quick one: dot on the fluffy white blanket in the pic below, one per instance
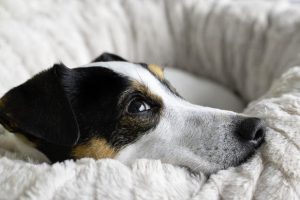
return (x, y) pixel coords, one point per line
(243, 45)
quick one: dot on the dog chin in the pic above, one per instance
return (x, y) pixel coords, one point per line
(215, 167)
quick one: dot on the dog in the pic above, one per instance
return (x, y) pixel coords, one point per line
(112, 108)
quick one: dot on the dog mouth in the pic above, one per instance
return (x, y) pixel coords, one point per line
(239, 160)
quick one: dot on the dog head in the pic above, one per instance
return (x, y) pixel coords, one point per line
(112, 108)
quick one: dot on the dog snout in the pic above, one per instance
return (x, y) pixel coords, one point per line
(251, 129)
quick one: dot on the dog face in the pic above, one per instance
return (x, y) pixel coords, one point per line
(112, 108)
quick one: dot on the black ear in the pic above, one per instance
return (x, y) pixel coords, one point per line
(106, 57)
(40, 108)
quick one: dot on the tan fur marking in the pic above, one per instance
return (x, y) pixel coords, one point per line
(157, 70)
(95, 148)
(145, 90)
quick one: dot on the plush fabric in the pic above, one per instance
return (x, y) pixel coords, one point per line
(244, 45)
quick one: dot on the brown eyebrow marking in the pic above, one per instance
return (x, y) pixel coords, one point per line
(96, 148)
(156, 70)
(136, 86)
(143, 89)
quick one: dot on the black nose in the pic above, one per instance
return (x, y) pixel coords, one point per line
(251, 129)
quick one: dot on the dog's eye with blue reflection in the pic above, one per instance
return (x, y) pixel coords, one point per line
(138, 105)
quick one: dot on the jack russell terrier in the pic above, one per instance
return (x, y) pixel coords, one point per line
(112, 108)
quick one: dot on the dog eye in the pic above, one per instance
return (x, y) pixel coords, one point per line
(138, 106)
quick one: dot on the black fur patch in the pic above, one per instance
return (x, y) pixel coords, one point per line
(106, 57)
(62, 108)
(40, 107)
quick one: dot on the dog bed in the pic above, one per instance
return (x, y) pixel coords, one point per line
(252, 48)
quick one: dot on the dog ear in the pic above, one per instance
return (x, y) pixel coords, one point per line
(106, 57)
(41, 108)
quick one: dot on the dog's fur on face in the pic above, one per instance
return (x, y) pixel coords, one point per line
(112, 108)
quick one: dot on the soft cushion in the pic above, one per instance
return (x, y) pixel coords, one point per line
(246, 46)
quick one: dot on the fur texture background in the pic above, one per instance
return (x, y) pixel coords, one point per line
(244, 45)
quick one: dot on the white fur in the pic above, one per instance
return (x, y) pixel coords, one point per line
(245, 45)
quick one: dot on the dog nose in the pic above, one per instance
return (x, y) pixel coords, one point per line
(251, 129)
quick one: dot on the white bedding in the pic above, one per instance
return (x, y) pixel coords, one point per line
(202, 91)
(245, 46)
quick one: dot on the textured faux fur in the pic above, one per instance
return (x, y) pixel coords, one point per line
(243, 45)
